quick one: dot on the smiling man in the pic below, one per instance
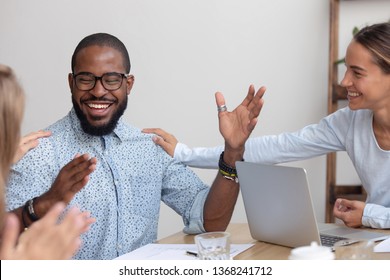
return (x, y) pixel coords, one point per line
(98, 112)
(133, 174)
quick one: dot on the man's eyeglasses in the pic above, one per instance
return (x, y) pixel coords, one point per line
(110, 81)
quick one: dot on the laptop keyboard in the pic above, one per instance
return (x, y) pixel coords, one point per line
(330, 240)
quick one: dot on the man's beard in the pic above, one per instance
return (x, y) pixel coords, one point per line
(103, 129)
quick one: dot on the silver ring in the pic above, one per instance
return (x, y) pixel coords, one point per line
(222, 108)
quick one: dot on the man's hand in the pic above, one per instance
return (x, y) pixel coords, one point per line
(165, 140)
(236, 126)
(71, 179)
(349, 211)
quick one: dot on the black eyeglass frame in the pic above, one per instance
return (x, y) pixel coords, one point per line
(123, 76)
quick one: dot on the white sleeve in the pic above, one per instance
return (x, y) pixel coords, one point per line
(376, 216)
(310, 141)
(198, 157)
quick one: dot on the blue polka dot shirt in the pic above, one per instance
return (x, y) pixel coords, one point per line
(124, 192)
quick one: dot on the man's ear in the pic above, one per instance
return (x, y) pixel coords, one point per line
(70, 81)
(129, 83)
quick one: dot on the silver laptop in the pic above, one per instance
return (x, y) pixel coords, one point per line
(279, 208)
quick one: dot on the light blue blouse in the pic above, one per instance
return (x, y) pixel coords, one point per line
(344, 130)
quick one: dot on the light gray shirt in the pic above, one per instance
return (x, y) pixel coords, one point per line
(344, 130)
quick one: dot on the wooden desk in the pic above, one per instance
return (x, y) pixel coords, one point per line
(260, 251)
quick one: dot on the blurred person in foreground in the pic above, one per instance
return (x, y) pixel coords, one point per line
(48, 238)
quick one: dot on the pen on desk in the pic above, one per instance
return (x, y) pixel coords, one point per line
(192, 253)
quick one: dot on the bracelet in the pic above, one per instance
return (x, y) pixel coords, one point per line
(29, 207)
(227, 171)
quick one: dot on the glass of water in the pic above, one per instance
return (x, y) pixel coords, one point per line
(362, 250)
(213, 245)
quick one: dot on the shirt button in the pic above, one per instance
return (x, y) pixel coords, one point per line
(119, 246)
(116, 182)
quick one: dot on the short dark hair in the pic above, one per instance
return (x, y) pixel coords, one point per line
(103, 40)
(376, 38)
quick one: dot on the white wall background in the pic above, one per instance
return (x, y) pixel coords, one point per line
(182, 52)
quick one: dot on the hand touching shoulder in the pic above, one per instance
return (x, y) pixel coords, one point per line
(164, 139)
(28, 142)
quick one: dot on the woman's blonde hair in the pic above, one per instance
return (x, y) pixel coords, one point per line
(11, 114)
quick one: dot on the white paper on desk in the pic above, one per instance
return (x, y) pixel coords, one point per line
(173, 252)
(383, 246)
